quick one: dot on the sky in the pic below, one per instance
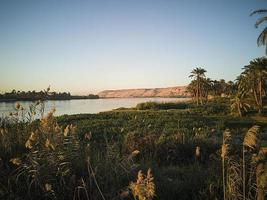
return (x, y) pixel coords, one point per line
(85, 46)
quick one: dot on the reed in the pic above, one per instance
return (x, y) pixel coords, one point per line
(144, 187)
(224, 153)
(261, 173)
(249, 143)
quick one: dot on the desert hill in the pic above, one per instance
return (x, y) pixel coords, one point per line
(150, 92)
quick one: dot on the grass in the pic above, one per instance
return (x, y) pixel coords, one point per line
(98, 156)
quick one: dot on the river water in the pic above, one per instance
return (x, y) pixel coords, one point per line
(86, 105)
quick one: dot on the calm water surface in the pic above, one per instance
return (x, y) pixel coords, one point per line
(86, 105)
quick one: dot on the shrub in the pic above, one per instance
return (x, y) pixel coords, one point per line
(161, 106)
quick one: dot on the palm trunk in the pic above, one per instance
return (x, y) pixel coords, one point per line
(260, 95)
(197, 91)
(200, 91)
(239, 110)
(255, 97)
(255, 89)
(200, 94)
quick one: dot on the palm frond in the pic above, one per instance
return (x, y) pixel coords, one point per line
(260, 20)
(262, 39)
(259, 11)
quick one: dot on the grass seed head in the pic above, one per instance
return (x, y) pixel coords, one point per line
(15, 161)
(225, 149)
(198, 151)
(250, 139)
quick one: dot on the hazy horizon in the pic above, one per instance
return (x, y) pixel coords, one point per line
(88, 46)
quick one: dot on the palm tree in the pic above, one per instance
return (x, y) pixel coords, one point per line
(262, 39)
(239, 105)
(223, 86)
(216, 87)
(256, 74)
(208, 85)
(243, 85)
(191, 88)
(230, 87)
(199, 75)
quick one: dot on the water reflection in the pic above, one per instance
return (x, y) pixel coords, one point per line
(86, 105)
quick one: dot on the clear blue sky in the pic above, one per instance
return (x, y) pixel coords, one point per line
(86, 46)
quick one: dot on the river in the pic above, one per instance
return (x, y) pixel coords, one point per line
(70, 107)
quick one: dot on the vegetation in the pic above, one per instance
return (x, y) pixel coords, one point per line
(210, 89)
(144, 187)
(161, 106)
(99, 156)
(263, 35)
(248, 92)
(253, 81)
(42, 95)
(198, 84)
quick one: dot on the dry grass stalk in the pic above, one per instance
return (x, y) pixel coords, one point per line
(225, 150)
(224, 153)
(261, 173)
(198, 152)
(250, 139)
(144, 187)
(234, 180)
(250, 142)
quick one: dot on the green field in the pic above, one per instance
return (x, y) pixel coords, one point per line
(100, 155)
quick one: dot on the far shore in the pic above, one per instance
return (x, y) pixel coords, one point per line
(80, 98)
(49, 99)
(129, 97)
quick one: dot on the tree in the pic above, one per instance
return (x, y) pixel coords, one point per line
(216, 87)
(208, 86)
(243, 85)
(238, 105)
(254, 79)
(230, 88)
(198, 74)
(14, 91)
(262, 39)
(223, 86)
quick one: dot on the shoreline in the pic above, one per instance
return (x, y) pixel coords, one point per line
(32, 100)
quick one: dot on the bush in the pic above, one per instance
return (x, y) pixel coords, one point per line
(161, 106)
(212, 108)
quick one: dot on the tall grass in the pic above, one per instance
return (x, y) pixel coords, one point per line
(53, 161)
(249, 143)
(246, 174)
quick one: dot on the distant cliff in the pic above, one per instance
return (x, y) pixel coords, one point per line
(179, 91)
